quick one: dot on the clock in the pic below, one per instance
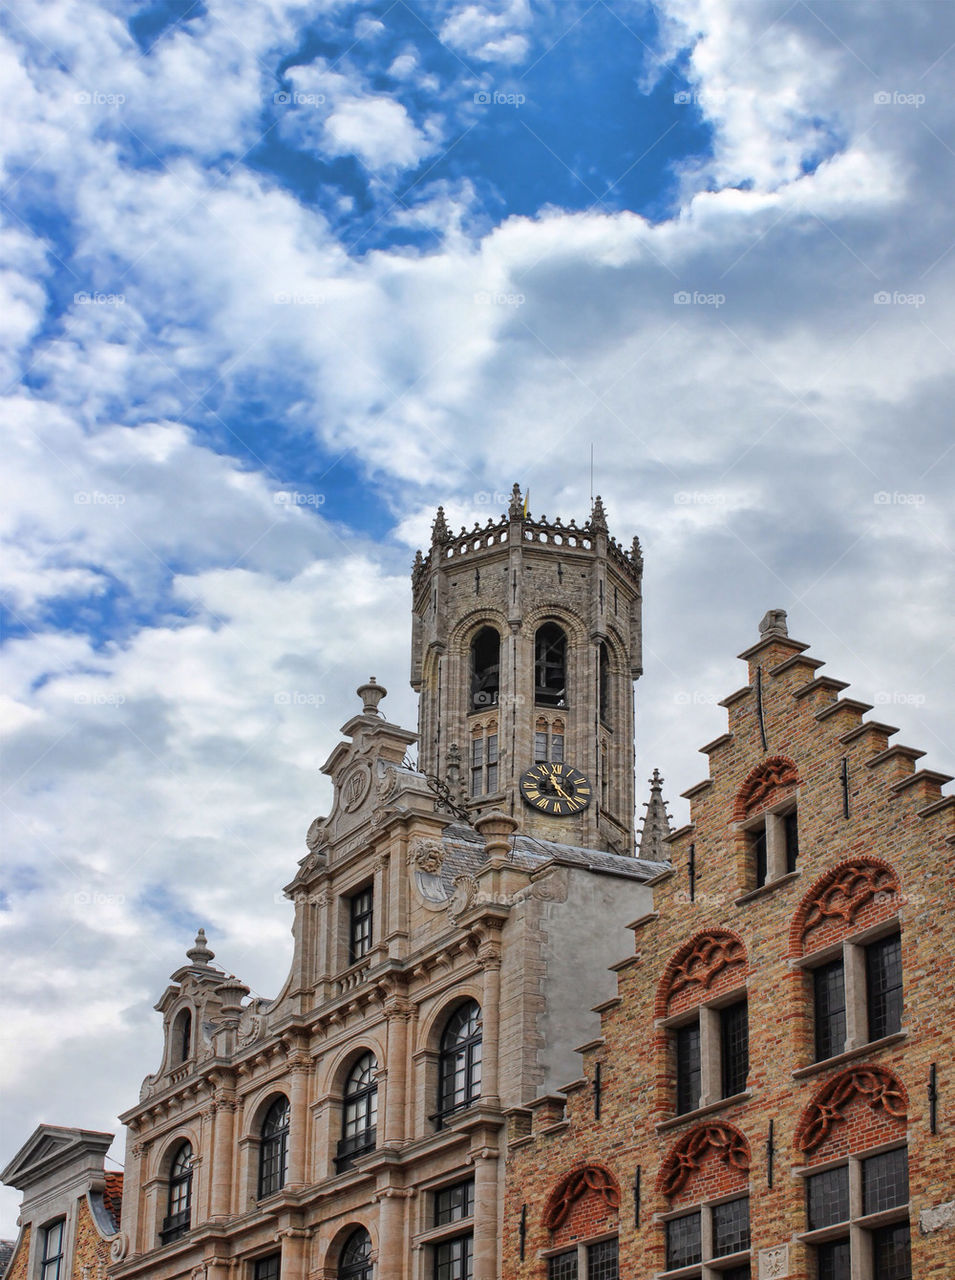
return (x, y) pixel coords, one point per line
(556, 789)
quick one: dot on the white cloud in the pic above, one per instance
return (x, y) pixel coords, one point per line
(380, 132)
(488, 36)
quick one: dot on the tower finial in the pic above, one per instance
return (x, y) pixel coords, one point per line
(773, 623)
(656, 823)
(371, 694)
(440, 532)
(517, 510)
(200, 953)
(598, 517)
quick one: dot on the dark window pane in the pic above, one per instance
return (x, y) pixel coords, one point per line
(736, 1273)
(52, 1251)
(557, 748)
(355, 1263)
(563, 1267)
(540, 748)
(361, 912)
(454, 1259)
(791, 831)
(267, 1268)
(687, 1068)
(550, 661)
(453, 1203)
(179, 1205)
(683, 1241)
(757, 845)
(730, 1227)
(734, 1047)
(885, 1181)
(827, 1198)
(891, 1255)
(829, 999)
(832, 1261)
(602, 1261)
(273, 1153)
(883, 963)
(459, 1063)
(485, 668)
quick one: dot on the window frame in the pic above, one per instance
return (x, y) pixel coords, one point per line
(364, 1138)
(471, 1068)
(487, 687)
(580, 1250)
(273, 1151)
(711, 1266)
(361, 1270)
(171, 1229)
(361, 923)
(484, 760)
(258, 1269)
(552, 696)
(708, 1017)
(51, 1264)
(780, 855)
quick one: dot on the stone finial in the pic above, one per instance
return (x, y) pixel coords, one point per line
(371, 694)
(516, 508)
(598, 516)
(656, 824)
(418, 562)
(232, 992)
(496, 829)
(440, 532)
(200, 953)
(773, 624)
(636, 552)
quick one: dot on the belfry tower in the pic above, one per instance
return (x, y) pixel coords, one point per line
(526, 641)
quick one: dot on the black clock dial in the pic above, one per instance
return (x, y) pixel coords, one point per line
(556, 789)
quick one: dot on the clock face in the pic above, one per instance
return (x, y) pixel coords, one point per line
(556, 789)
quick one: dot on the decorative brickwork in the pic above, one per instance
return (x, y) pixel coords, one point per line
(719, 1141)
(592, 1189)
(837, 901)
(691, 974)
(767, 784)
(881, 1090)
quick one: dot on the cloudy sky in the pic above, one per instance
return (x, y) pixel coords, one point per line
(282, 277)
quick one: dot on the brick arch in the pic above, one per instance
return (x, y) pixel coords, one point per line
(880, 1088)
(768, 783)
(853, 886)
(720, 1140)
(697, 963)
(592, 1178)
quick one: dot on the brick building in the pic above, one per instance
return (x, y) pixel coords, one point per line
(772, 1090)
(70, 1213)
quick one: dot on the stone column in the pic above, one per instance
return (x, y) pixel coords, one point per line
(397, 1012)
(294, 1241)
(299, 1068)
(220, 1205)
(489, 957)
(392, 1263)
(487, 1211)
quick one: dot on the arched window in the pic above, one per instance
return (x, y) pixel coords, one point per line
(360, 1114)
(179, 1205)
(485, 669)
(459, 1064)
(182, 1037)
(603, 679)
(355, 1261)
(550, 666)
(273, 1153)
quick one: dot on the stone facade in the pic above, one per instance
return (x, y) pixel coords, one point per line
(422, 913)
(816, 855)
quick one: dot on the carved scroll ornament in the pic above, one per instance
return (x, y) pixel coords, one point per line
(708, 956)
(844, 893)
(722, 1140)
(879, 1088)
(775, 775)
(591, 1178)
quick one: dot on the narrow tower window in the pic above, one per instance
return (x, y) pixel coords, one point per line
(273, 1153)
(360, 1116)
(485, 669)
(179, 1203)
(550, 666)
(603, 677)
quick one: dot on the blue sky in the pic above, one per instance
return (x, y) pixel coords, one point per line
(283, 277)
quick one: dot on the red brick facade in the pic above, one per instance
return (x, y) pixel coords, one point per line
(871, 860)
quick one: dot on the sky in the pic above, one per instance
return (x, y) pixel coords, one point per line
(280, 278)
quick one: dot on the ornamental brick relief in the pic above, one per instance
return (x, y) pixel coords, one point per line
(590, 1181)
(708, 1142)
(878, 1087)
(768, 783)
(860, 892)
(709, 961)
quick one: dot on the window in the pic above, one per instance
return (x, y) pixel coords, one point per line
(182, 1037)
(355, 1262)
(179, 1205)
(451, 1204)
(361, 918)
(273, 1153)
(598, 1261)
(550, 666)
(485, 669)
(360, 1114)
(857, 997)
(773, 840)
(548, 741)
(454, 1259)
(454, 1255)
(484, 759)
(707, 1235)
(459, 1061)
(51, 1258)
(712, 1055)
(603, 680)
(877, 1184)
(267, 1268)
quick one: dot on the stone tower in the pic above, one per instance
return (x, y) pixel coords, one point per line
(526, 641)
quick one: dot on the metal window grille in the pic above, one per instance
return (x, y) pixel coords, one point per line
(451, 1204)
(362, 915)
(454, 1259)
(827, 1198)
(891, 1253)
(684, 1241)
(603, 1262)
(730, 1227)
(273, 1153)
(883, 962)
(829, 999)
(885, 1181)
(734, 1048)
(52, 1258)
(563, 1267)
(267, 1268)
(832, 1260)
(688, 1068)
